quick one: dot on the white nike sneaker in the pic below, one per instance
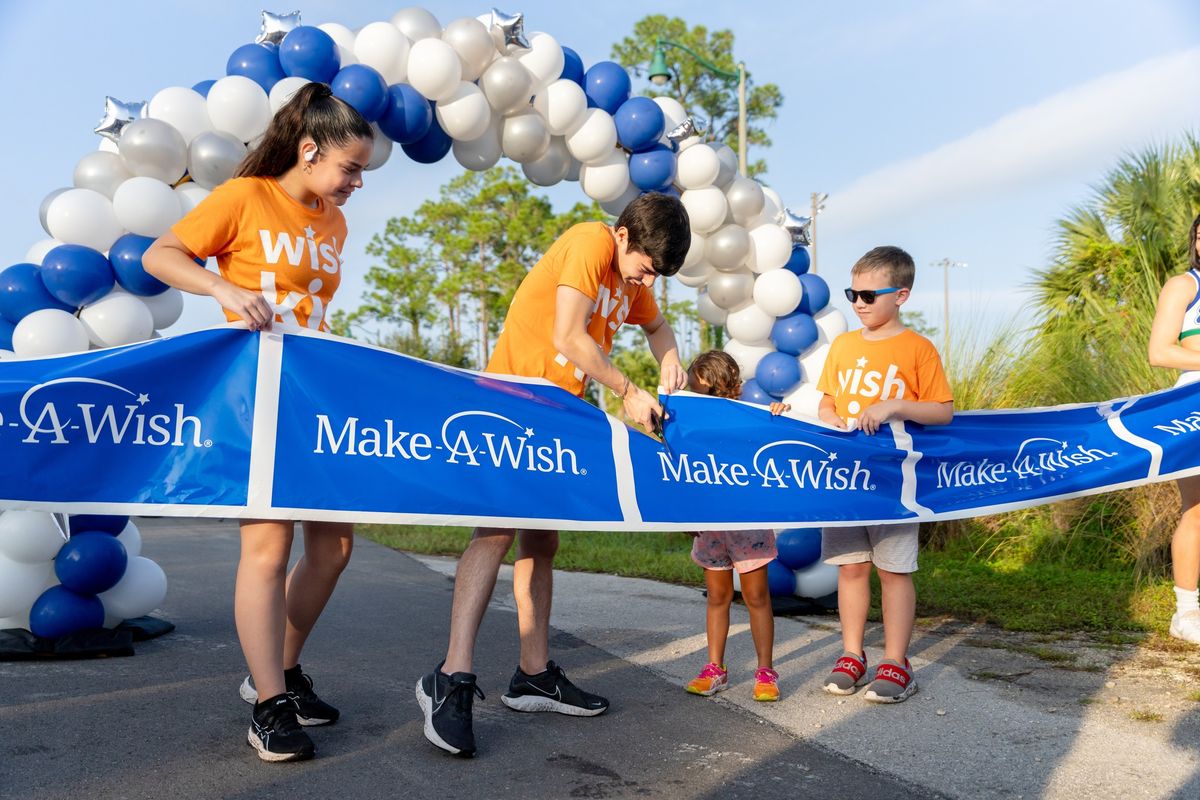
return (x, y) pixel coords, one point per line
(1186, 626)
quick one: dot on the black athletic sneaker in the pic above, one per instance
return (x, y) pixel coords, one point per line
(551, 691)
(310, 709)
(446, 702)
(275, 734)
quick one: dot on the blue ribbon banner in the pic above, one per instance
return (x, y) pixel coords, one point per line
(299, 425)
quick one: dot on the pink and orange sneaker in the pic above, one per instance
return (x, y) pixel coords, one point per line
(712, 679)
(766, 685)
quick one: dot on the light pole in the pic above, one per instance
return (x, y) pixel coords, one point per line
(946, 264)
(818, 205)
(660, 73)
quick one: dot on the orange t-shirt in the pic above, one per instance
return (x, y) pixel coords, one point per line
(860, 372)
(584, 258)
(267, 241)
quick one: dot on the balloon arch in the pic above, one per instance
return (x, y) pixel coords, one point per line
(478, 88)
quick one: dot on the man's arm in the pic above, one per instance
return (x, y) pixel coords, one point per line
(666, 352)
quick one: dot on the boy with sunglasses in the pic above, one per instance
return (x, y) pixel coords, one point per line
(879, 373)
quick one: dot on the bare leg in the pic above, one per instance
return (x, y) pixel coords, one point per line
(757, 597)
(258, 601)
(533, 589)
(327, 547)
(899, 610)
(474, 581)
(719, 583)
(1185, 544)
(854, 600)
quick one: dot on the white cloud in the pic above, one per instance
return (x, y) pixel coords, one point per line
(1079, 131)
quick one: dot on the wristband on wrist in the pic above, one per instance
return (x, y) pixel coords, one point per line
(624, 390)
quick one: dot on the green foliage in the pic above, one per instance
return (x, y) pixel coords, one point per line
(699, 89)
(915, 321)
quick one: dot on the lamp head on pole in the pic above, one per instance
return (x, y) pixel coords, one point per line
(659, 72)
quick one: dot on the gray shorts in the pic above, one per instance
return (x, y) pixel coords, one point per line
(889, 547)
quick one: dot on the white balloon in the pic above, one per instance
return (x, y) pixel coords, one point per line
(483, 152)
(165, 307)
(239, 106)
(812, 362)
(107, 145)
(49, 332)
(709, 311)
(83, 216)
(507, 85)
(44, 208)
(471, 40)
(416, 23)
(99, 171)
(729, 164)
(726, 248)
(343, 37)
(770, 248)
(745, 197)
(131, 537)
(524, 137)
(706, 208)
(551, 166)
(382, 47)
(563, 105)
(684, 144)
(15, 622)
(673, 111)
(20, 585)
(190, 194)
(184, 109)
(544, 59)
(697, 167)
(213, 158)
(695, 253)
(749, 324)
(729, 290)
(465, 115)
(771, 214)
(153, 148)
(831, 323)
(434, 69)
(117, 318)
(146, 206)
(30, 537)
(38, 250)
(141, 589)
(776, 200)
(614, 207)
(817, 580)
(748, 355)
(778, 292)
(697, 277)
(381, 149)
(283, 90)
(805, 399)
(594, 138)
(606, 180)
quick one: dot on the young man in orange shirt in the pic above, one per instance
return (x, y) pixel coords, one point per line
(595, 278)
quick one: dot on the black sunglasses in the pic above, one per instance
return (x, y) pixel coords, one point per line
(868, 295)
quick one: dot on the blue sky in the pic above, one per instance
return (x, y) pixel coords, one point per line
(954, 129)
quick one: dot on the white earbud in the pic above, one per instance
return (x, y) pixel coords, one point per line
(310, 155)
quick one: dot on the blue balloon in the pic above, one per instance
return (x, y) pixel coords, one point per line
(91, 562)
(777, 374)
(76, 275)
(781, 581)
(59, 611)
(607, 86)
(408, 114)
(794, 333)
(800, 261)
(202, 87)
(639, 122)
(126, 258)
(363, 88)
(430, 148)
(652, 170)
(22, 292)
(798, 547)
(6, 332)
(816, 294)
(670, 191)
(308, 52)
(572, 66)
(753, 393)
(105, 523)
(259, 64)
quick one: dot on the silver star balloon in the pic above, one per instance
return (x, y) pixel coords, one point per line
(511, 28)
(118, 114)
(799, 227)
(691, 126)
(277, 26)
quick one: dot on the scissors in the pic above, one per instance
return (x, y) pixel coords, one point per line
(656, 424)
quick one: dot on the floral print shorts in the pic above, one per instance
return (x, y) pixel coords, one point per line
(744, 551)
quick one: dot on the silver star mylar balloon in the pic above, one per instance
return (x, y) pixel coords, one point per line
(118, 114)
(512, 27)
(798, 227)
(689, 127)
(277, 26)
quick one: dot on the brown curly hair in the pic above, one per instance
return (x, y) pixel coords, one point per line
(718, 371)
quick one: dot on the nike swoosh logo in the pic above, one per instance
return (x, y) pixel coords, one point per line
(557, 695)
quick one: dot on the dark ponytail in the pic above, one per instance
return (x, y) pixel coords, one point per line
(312, 112)
(1193, 259)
